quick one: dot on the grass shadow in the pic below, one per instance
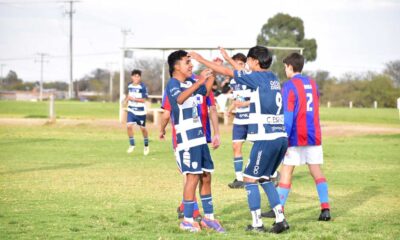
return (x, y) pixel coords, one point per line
(340, 206)
(54, 167)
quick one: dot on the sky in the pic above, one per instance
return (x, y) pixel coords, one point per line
(352, 36)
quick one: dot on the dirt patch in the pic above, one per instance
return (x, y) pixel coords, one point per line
(333, 129)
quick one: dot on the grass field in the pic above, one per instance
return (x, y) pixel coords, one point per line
(76, 182)
(106, 110)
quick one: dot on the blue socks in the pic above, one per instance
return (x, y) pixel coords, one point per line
(132, 141)
(146, 142)
(272, 194)
(322, 188)
(283, 191)
(238, 164)
(253, 196)
(206, 201)
(188, 209)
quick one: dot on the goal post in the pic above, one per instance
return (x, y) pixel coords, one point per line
(164, 51)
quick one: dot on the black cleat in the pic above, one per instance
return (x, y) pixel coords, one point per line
(180, 213)
(236, 184)
(269, 214)
(325, 215)
(250, 228)
(279, 227)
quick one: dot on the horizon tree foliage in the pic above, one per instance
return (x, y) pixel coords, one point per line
(283, 30)
(393, 70)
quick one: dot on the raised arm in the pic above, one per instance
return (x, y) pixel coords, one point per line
(229, 59)
(215, 67)
(205, 77)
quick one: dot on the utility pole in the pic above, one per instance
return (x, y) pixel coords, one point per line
(41, 56)
(70, 13)
(124, 32)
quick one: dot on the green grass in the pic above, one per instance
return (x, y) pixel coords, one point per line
(361, 115)
(94, 110)
(77, 182)
(64, 109)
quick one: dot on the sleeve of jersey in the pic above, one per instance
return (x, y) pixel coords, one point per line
(173, 91)
(289, 100)
(145, 92)
(165, 103)
(202, 90)
(211, 99)
(245, 78)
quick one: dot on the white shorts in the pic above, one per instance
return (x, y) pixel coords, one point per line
(296, 156)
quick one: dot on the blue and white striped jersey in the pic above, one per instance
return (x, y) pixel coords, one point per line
(186, 119)
(266, 121)
(137, 91)
(241, 93)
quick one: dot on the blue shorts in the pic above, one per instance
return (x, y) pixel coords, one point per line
(265, 157)
(239, 133)
(136, 119)
(196, 161)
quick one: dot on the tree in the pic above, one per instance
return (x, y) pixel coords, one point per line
(283, 30)
(393, 70)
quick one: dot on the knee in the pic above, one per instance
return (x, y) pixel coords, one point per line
(236, 149)
(206, 178)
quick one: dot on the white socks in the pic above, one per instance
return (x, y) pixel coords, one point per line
(188, 219)
(239, 176)
(256, 215)
(279, 217)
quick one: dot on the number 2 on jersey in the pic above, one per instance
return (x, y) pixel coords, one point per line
(309, 102)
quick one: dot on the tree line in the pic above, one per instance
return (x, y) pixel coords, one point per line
(280, 30)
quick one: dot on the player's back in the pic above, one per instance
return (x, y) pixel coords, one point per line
(303, 99)
(266, 112)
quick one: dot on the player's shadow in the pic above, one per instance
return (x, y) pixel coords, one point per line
(340, 205)
(54, 167)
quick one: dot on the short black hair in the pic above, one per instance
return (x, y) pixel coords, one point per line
(240, 57)
(262, 54)
(136, 72)
(175, 57)
(295, 60)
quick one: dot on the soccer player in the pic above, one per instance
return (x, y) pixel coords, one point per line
(265, 129)
(301, 107)
(206, 104)
(137, 94)
(241, 101)
(192, 153)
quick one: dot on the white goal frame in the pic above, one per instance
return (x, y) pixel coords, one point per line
(168, 49)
